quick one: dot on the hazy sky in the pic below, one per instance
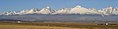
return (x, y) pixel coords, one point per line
(17, 5)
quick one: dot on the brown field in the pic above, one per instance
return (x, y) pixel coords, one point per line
(54, 25)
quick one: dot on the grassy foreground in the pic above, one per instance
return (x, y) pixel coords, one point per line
(52, 25)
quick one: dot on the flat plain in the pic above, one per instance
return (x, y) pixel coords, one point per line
(55, 25)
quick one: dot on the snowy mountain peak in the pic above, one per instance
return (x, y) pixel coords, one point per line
(110, 10)
(62, 11)
(78, 6)
(75, 10)
(47, 7)
(30, 11)
(79, 10)
(34, 9)
(46, 10)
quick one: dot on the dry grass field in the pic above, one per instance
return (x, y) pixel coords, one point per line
(48, 25)
(31, 27)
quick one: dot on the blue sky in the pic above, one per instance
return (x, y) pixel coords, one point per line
(18, 5)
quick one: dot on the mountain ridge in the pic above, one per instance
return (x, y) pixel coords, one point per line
(75, 10)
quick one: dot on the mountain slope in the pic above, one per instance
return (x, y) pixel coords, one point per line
(62, 11)
(79, 10)
(75, 10)
(46, 10)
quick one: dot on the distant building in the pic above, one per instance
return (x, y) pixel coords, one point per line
(106, 23)
(18, 21)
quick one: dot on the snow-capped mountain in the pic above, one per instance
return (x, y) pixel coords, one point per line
(93, 11)
(109, 11)
(75, 10)
(79, 10)
(62, 11)
(46, 10)
(8, 13)
(31, 11)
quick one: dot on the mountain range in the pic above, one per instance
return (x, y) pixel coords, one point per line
(75, 10)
